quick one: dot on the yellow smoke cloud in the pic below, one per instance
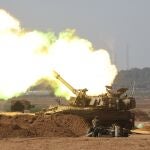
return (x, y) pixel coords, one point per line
(26, 57)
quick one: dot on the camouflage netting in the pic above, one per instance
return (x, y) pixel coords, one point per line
(42, 126)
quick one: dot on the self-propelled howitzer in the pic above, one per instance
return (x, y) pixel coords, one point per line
(112, 107)
(111, 100)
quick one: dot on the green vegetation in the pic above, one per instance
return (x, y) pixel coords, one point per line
(140, 78)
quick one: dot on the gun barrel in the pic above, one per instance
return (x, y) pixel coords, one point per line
(57, 76)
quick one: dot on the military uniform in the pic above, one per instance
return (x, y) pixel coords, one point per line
(95, 122)
(94, 131)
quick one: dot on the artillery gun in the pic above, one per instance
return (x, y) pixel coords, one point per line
(111, 107)
(111, 100)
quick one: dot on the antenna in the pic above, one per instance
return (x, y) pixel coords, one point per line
(133, 88)
(127, 57)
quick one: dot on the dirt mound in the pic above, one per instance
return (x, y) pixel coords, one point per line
(42, 126)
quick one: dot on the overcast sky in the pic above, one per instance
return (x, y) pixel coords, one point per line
(121, 26)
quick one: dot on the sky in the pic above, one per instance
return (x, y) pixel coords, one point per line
(120, 26)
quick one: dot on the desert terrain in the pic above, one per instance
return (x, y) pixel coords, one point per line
(20, 131)
(134, 142)
(60, 132)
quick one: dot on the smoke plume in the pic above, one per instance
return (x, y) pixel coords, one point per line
(27, 56)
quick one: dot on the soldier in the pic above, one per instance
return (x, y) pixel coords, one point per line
(95, 122)
(82, 99)
(96, 126)
(94, 131)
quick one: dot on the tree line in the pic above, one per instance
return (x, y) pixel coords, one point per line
(139, 77)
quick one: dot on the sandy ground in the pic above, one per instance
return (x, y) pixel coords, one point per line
(60, 132)
(134, 142)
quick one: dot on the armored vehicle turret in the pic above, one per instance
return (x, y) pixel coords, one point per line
(111, 100)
